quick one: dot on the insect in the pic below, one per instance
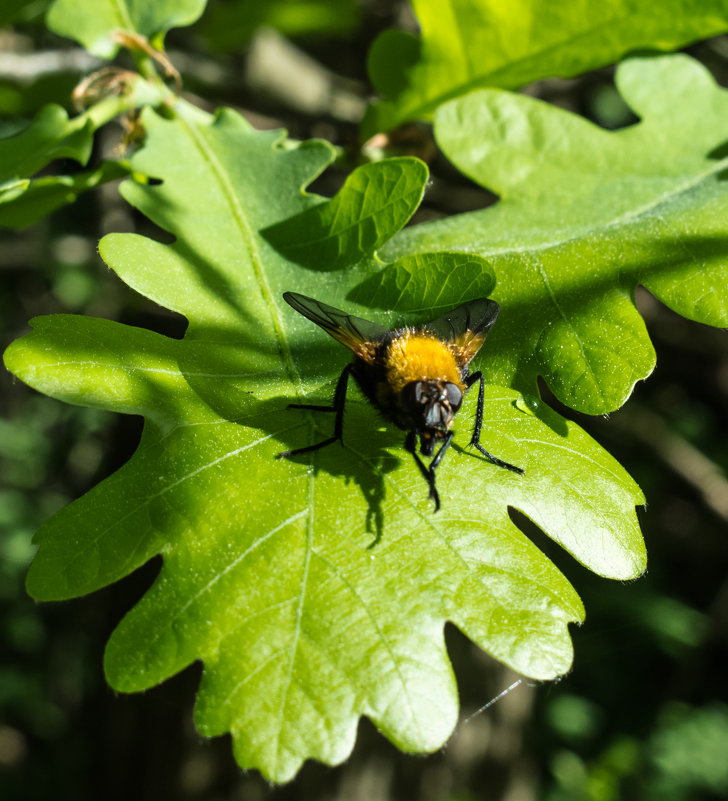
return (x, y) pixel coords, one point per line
(415, 376)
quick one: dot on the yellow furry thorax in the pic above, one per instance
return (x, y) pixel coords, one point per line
(418, 356)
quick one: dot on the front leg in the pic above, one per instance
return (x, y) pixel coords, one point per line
(410, 444)
(475, 439)
(428, 473)
(337, 406)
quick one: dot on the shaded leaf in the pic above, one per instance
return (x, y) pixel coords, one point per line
(14, 10)
(428, 283)
(230, 26)
(42, 196)
(51, 135)
(374, 202)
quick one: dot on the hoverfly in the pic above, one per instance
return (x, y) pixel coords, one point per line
(416, 376)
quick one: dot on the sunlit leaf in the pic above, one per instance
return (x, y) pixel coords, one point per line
(93, 22)
(315, 590)
(469, 44)
(584, 216)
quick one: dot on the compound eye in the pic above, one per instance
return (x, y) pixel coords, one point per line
(454, 396)
(413, 396)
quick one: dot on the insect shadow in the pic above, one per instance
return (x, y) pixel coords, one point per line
(363, 455)
(415, 377)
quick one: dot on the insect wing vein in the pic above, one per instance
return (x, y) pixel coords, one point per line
(355, 333)
(466, 327)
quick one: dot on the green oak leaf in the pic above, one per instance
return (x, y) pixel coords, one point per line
(427, 283)
(315, 590)
(584, 216)
(51, 135)
(353, 225)
(470, 44)
(16, 10)
(92, 22)
(43, 195)
(231, 26)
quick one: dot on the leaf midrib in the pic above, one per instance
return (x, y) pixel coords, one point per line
(121, 12)
(248, 237)
(490, 79)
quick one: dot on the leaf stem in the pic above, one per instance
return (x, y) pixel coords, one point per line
(140, 92)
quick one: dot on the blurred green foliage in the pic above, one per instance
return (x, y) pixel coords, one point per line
(231, 24)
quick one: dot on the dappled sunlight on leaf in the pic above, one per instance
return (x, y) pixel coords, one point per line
(469, 44)
(314, 589)
(585, 215)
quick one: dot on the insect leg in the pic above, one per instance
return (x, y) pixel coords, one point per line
(475, 439)
(410, 444)
(438, 456)
(337, 406)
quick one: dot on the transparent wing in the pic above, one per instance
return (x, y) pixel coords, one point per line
(355, 333)
(466, 327)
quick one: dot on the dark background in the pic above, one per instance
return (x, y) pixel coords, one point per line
(642, 715)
